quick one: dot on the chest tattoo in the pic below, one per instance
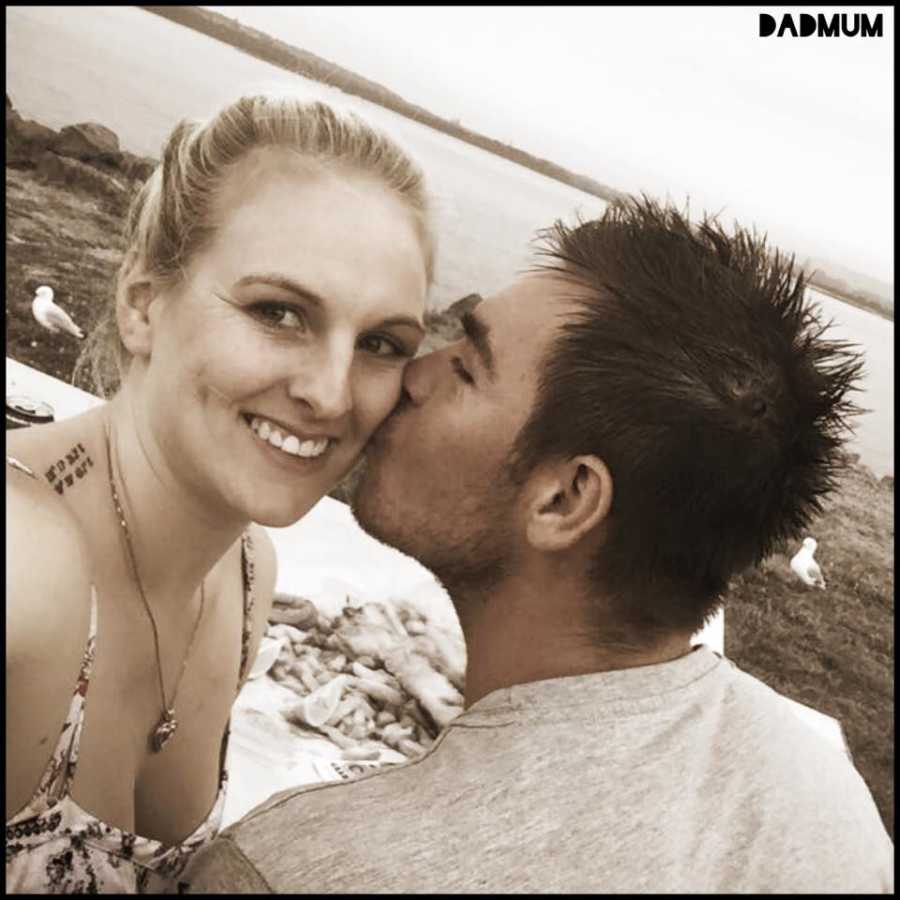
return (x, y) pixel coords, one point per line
(70, 469)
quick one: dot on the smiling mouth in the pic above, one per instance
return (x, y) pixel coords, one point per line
(289, 444)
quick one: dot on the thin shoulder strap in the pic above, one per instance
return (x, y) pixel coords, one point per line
(60, 770)
(248, 576)
(12, 461)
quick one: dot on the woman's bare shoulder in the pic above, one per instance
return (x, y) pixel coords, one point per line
(48, 609)
(48, 568)
(33, 509)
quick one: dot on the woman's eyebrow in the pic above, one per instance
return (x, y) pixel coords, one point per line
(402, 321)
(295, 287)
(280, 281)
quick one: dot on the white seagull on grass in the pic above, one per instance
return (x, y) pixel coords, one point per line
(805, 567)
(54, 318)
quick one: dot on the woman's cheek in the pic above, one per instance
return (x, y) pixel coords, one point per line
(378, 397)
(230, 379)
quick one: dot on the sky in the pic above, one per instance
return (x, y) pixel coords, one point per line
(793, 135)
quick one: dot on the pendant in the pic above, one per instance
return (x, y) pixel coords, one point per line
(164, 730)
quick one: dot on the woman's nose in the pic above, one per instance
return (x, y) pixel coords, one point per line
(324, 384)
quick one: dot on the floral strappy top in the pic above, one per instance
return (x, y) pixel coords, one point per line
(54, 846)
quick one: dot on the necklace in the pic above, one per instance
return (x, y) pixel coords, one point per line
(167, 724)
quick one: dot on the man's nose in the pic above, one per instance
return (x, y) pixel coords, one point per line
(419, 377)
(325, 383)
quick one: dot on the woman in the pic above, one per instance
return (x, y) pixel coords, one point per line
(271, 294)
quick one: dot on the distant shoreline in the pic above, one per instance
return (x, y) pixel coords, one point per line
(854, 301)
(301, 62)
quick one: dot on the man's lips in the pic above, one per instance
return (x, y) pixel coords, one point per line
(383, 433)
(375, 441)
(387, 427)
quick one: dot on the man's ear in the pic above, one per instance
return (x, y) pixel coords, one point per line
(568, 499)
(134, 294)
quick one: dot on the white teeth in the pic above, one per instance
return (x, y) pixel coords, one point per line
(313, 448)
(289, 443)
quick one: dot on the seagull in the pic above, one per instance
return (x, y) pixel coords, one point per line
(54, 318)
(805, 567)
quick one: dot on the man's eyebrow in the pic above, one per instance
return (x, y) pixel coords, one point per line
(479, 333)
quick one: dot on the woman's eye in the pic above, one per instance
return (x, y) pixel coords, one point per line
(382, 346)
(279, 315)
(460, 370)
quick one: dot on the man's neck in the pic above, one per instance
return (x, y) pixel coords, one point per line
(530, 629)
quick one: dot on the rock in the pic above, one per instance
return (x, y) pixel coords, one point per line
(25, 139)
(285, 615)
(888, 481)
(88, 142)
(300, 613)
(138, 168)
(71, 172)
(435, 694)
(291, 635)
(385, 717)
(12, 117)
(324, 624)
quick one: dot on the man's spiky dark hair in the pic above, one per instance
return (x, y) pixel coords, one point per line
(695, 368)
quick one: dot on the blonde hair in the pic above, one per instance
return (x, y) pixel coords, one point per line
(173, 215)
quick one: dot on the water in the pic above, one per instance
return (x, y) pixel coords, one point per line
(874, 438)
(138, 74)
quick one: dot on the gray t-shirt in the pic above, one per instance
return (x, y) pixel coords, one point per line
(690, 776)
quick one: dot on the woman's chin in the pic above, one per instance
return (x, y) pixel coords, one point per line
(282, 516)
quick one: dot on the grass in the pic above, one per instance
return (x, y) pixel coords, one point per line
(831, 650)
(63, 238)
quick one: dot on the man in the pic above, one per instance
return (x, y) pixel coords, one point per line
(620, 431)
